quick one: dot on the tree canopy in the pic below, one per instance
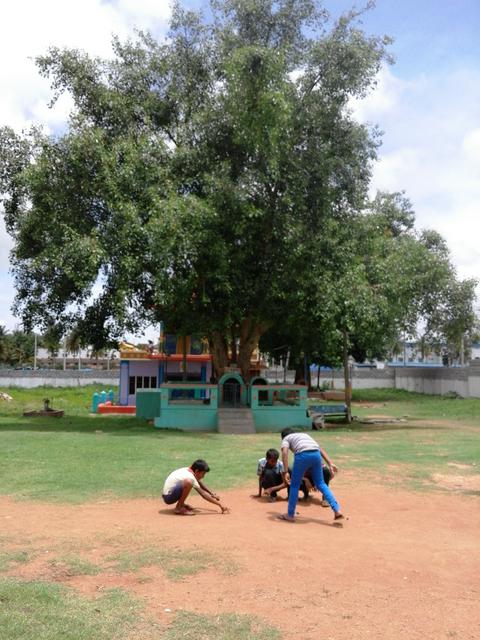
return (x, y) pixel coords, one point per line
(217, 181)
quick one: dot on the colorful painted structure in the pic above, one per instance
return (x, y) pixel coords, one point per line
(195, 407)
(141, 370)
(154, 384)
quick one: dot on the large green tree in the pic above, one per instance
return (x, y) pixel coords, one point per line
(370, 281)
(197, 174)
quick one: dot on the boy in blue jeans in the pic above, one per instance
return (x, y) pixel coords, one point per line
(308, 456)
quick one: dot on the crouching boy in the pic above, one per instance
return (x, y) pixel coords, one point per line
(179, 484)
(270, 475)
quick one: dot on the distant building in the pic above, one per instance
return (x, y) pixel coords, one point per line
(475, 351)
(411, 353)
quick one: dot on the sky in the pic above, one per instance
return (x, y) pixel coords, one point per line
(427, 103)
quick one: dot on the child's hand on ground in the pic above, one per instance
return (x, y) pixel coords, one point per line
(225, 510)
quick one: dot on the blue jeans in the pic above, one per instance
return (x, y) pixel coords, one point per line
(303, 461)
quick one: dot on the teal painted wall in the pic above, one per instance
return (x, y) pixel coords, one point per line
(194, 415)
(148, 403)
(191, 415)
(272, 419)
(188, 419)
(268, 416)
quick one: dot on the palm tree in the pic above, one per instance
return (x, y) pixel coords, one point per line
(4, 344)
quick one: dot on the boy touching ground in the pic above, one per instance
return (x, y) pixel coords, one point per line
(270, 475)
(179, 484)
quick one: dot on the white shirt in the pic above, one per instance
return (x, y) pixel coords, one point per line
(300, 442)
(179, 475)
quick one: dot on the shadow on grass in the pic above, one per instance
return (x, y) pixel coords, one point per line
(124, 426)
(131, 426)
(369, 428)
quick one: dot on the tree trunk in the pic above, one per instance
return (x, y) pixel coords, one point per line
(250, 332)
(308, 373)
(346, 376)
(302, 373)
(184, 358)
(299, 373)
(233, 345)
(219, 351)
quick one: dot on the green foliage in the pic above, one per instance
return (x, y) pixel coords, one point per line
(387, 278)
(16, 347)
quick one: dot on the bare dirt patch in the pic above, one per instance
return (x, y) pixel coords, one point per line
(363, 404)
(458, 465)
(404, 565)
(456, 482)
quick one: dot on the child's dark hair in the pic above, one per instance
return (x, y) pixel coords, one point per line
(287, 432)
(272, 453)
(200, 465)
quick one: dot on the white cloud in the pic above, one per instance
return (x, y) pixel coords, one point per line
(7, 292)
(383, 99)
(5, 246)
(432, 151)
(27, 29)
(471, 147)
(145, 10)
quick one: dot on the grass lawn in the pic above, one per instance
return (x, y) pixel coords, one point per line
(82, 457)
(44, 611)
(417, 406)
(47, 611)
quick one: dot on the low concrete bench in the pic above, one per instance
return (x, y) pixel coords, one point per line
(319, 412)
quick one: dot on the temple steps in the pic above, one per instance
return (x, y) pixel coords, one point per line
(235, 420)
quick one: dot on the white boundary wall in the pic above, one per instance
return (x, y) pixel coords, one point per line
(430, 380)
(52, 378)
(435, 380)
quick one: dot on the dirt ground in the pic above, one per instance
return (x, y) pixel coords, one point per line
(404, 565)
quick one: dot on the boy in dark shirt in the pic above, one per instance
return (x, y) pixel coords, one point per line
(270, 475)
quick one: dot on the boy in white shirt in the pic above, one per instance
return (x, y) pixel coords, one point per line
(179, 484)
